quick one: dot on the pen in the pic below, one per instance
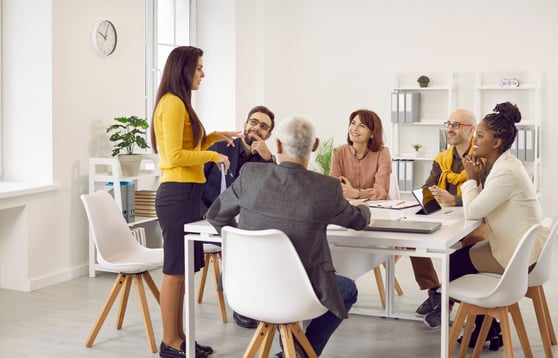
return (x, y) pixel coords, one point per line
(449, 211)
(399, 203)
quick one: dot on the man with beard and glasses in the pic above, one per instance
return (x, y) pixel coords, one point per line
(251, 147)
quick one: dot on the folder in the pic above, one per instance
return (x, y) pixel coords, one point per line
(402, 105)
(395, 168)
(443, 144)
(409, 166)
(401, 175)
(395, 106)
(521, 143)
(412, 101)
(529, 143)
(513, 148)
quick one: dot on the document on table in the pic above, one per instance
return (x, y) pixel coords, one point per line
(392, 204)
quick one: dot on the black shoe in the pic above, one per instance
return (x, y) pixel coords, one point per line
(245, 322)
(494, 335)
(166, 351)
(207, 350)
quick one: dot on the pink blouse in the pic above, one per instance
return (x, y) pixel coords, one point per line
(370, 174)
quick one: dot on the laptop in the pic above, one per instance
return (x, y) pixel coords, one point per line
(415, 227)
(426, 201)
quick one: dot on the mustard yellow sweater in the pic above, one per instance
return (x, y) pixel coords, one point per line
(180, 161)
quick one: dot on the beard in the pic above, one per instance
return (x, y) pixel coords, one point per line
(248, 138)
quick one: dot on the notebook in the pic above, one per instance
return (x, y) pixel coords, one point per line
(417, 227)
(426, 201)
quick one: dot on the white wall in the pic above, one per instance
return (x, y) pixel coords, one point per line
(324, 59)
(59, 97)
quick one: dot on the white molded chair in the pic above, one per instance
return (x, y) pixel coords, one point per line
(118, 251)
(493, 296)
(271, 287)
(212, 254)
(536, 279)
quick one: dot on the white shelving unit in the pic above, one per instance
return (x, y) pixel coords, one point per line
(436, 102)
(105, 170)
(528, 97)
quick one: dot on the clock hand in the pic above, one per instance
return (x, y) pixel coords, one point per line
(106, 30)
(104, 36)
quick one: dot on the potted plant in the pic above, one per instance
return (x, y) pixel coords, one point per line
(126, 134)
(417, 148)
(323, 156)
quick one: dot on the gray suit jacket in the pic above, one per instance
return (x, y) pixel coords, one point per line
(300, 203)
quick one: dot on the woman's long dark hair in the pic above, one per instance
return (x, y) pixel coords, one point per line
(177, 78)
(374, 123)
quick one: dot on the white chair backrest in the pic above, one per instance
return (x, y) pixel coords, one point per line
(513, 282)
(393, 193)
(264, 278)
(353, 264)
(108, 227)
(542, 270)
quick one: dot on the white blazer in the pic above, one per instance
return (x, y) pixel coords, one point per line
(509, 206)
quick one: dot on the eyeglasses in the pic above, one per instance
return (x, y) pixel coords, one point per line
(456, 125)
(254, 122)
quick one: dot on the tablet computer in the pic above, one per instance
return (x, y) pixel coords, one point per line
(426, 201)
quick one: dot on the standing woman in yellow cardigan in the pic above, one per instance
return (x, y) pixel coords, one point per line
(179, 137)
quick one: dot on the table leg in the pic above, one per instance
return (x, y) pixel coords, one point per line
(190, 317)
(445, 306)
(390, 286)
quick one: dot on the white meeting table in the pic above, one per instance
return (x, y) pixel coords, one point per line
(437, 245)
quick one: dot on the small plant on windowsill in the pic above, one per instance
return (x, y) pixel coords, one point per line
(127, 134)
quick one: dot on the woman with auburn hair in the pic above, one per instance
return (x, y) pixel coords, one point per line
(179, 137)
(363, 165)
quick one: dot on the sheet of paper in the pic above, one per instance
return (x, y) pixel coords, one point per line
(392, 204)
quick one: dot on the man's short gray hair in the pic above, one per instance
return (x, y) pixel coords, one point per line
(297, 135)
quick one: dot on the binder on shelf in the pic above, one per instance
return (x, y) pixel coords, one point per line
(395, 168)
(395, 106)
(401, 174)
(513, 148)
(521, 143)
(443, 140)
(127, 189)
(401, 110)
(529, 143)
(412, 103)
(409, 172)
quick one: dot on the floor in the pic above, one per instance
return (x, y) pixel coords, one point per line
(55, 322)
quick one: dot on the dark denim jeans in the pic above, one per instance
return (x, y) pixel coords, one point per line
(320, 329)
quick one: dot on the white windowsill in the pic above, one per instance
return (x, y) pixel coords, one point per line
(10, 189)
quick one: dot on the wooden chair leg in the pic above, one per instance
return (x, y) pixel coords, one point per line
(380, 284)
(288, 341)
(124, 300)
(456, 327)
(501, 313)
(262, 332)
(120, 279)
(265, 346)
(145, 313)
(535, 294)
(520, 328)
(303, 340)
(548, 319)
(483, 333)
(151, 284)
(207, 258)
(219, 288)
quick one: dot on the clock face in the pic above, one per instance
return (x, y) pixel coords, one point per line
(103, 37)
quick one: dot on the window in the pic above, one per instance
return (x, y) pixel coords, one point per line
(168, 26)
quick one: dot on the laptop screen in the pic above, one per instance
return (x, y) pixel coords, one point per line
(426, 200)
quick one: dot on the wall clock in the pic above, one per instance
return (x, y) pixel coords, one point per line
(103, 37)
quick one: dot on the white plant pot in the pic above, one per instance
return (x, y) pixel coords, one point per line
(130, 164)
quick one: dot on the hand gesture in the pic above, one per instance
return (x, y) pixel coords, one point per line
(228, 136)
(348, 190)
(473, 166)
(225, 160)
(259, 146)
(442, 196)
